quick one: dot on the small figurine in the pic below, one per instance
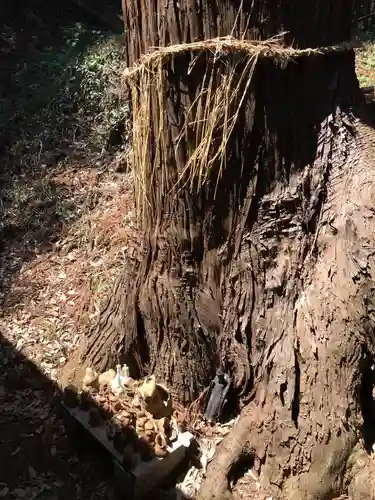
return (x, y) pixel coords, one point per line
(155, 397)
(217, 399)
(127, 380)
(90, 380)
(117, 384)
(70, 396)
(106, 378)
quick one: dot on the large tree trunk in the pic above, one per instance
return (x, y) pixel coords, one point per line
(312, 413)
(266, 268)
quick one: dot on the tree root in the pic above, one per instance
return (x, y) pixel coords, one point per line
(360, 474)
(341, 465)
(216, 484)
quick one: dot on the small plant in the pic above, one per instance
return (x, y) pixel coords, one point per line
(365, 59)
(100, 105)
(20, 195)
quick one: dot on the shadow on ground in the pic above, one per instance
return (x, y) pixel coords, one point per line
(42, 455)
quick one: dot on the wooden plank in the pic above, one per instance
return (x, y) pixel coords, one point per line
(144, 476)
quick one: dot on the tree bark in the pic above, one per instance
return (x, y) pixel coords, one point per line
(265, 271)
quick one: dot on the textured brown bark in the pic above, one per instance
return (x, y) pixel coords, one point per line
(272, 278)
(304, 428)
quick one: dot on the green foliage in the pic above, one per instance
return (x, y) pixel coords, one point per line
(365, 58)
(99, 72)
(63, 92)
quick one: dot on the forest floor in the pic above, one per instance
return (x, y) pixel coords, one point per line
(365, 60)
(66, 217)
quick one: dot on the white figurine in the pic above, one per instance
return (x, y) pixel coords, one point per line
(117, 384)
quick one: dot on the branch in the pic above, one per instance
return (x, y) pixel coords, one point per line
(365, 17)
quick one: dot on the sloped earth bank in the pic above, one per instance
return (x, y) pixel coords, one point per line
(50, 289)
(310, 427)
(61, 251)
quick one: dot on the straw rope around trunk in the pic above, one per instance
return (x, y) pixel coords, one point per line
(270, 48)
(209, 121)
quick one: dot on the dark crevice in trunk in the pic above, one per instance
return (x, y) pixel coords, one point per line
(296, 396)
(143, 346)
(238, 470)
(283, 388)
(368, 404)
(143, 355)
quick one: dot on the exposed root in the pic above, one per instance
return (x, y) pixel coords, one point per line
(216, 484)
(322, 480)
(360, 476)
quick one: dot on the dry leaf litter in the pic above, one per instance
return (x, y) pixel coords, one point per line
(56, 269)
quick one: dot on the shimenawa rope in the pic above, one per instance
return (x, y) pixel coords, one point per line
(270, 48)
